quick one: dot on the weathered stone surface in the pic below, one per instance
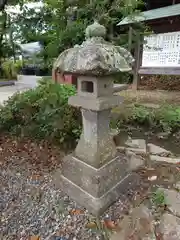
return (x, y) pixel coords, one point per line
(134, 160)
(121, 149)
(138, 225)
(140, 151)
(99, 104)
(156, 150)
(95, 176)
(92, 180)
(137, 144)
(96, 146)
(173, 200)
(98, 205)
(168, 160)
(102, 87)
(94, 56)
(169, 227)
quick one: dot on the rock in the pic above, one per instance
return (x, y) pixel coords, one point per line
(163, 135)
(169, 227)
(134, 161)
(169, 160)
(138, 151)
(172, 198)
(138, 225)
(136, 143)
(121, 149)
(156, 150)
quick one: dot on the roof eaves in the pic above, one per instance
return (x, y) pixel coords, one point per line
(169, 11)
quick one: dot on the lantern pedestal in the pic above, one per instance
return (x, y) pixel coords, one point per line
(97, 189)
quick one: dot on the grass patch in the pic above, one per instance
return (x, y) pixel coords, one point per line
(166, 118)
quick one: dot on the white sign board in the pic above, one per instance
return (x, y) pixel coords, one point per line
(162, 50)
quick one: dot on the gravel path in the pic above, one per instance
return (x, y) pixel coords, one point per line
(30, 205)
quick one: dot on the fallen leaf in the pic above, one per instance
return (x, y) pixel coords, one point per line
(91, 225)
(76, 212)
(110, 224)
(34, 238)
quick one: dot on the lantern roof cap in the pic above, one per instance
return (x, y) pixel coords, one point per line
(94, 56)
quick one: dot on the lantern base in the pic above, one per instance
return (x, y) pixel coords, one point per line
(96, 189)
(97, 206)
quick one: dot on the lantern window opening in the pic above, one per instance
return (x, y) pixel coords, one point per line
(87, 86)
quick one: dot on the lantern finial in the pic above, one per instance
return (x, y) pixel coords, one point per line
(95, 30)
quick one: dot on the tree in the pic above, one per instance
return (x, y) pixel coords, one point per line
(3, 4)
(60, 24)
(4, 25)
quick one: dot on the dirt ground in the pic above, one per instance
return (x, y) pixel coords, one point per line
(151, 96)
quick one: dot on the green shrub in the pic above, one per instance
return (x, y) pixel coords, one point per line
(11, 69)
(124, 77)
(17, 66)
(6, 68)
(167, 118)
(142, 115)
(42, 113)
(158, 198)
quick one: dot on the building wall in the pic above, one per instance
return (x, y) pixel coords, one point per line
(64, 78)
(153, 4)
(165, 25)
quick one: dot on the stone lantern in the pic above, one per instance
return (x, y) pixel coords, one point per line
(95, 174)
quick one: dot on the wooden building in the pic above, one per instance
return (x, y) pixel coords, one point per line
(160, 52)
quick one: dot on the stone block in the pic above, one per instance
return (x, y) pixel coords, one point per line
(134, 161)
(94, 87)
(137, 144)
(167, 160)
(137, 225)
(172, 198)
(92, 180)
(97, 206)
(156, 150)
(96, 145)
(169, 227)
(96, 153)
(95, 104)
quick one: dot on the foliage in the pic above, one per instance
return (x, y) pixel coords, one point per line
(124, 77)
(42, 113)
(169, 117)
(158, 198)
(166, 118)
(11, 69)
(59, 24)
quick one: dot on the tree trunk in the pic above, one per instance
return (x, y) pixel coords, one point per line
(3, 29)
(3, 4)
